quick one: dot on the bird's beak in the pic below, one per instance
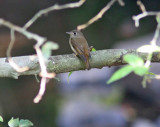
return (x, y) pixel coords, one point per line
(68, 32)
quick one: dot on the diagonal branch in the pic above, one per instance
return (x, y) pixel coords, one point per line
(99, 15)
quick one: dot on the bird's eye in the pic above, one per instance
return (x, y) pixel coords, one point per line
(75, 33)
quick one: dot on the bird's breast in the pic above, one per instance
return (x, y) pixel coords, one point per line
(72, 46)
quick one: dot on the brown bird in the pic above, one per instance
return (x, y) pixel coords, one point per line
(80, 46)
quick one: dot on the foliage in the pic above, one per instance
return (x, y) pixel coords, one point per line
(69, 76)
(1, 119)
(47, 49)
(135, 64)
(18, 123)
(93, 50)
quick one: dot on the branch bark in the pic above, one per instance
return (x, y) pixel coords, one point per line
(69, 62)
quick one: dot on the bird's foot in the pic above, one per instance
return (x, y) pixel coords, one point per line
(90, 48)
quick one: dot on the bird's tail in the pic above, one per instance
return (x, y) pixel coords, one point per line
(88, 66)
(85, 58)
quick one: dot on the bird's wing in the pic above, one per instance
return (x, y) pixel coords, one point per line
(82, 51)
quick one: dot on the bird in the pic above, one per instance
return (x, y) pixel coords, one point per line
(79, 45)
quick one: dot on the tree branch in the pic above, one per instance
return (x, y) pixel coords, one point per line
(69, 62)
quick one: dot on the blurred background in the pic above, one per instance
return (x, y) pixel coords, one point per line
(86, 100)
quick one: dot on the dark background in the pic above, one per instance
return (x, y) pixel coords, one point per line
(16, 96)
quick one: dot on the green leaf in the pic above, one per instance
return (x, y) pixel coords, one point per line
(22, 123)
(93, 50)
(1, 119)
(69, 76)
(48, 47)
(25, 123)
(140, 70)
(122, 72)
(13, 122)
(133, 60)
(148, 49)
(158, 18)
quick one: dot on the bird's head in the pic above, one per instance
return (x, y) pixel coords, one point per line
(75, 34)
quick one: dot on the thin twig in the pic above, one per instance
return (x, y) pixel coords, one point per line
(142, 15)
(44, 72)
(40, 40)
(41, 90)
(52, 8)
(9, 58)
(10, 46)
(121, 2)
(153, 42)
(99, 15)
(26, 33)
(141, 5)
(156, 35)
